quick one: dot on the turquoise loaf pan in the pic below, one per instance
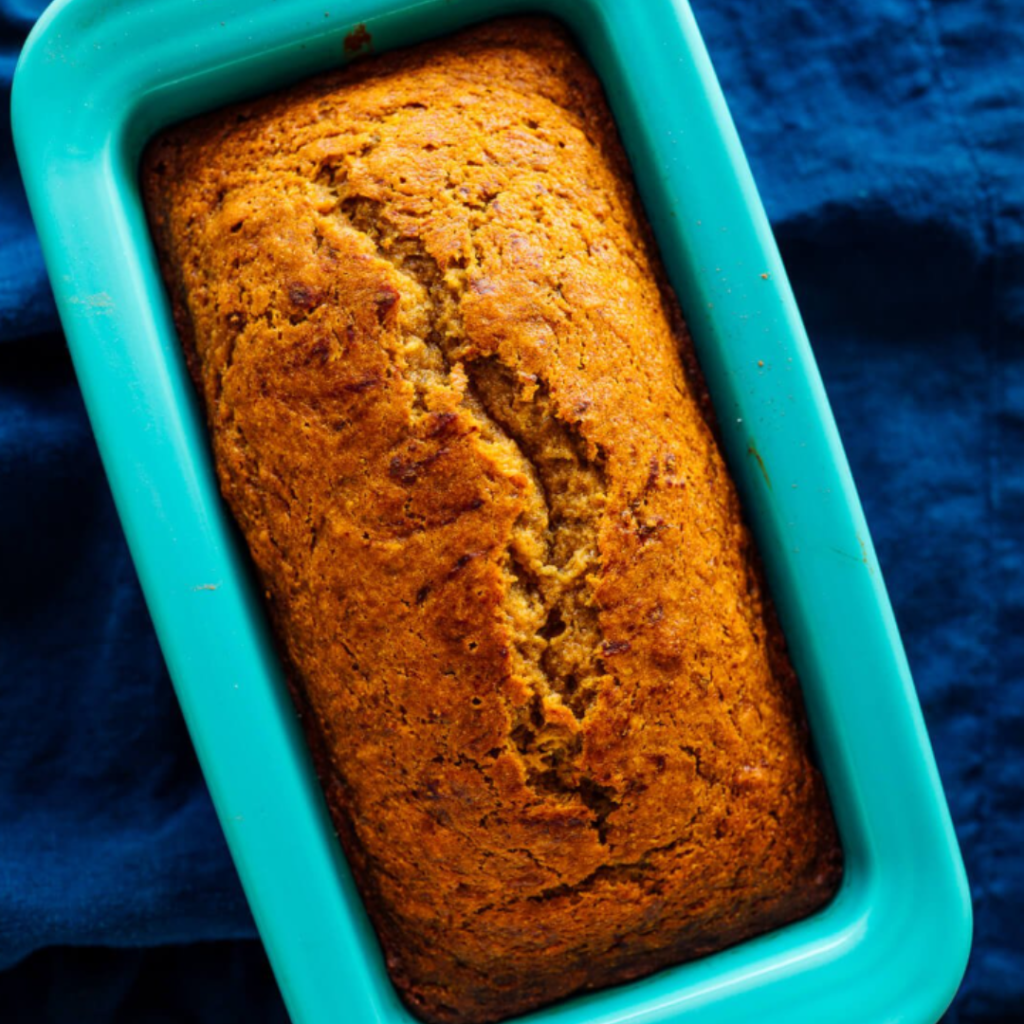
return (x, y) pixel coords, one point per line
(96, 80)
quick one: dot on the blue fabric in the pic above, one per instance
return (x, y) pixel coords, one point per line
(887, 138)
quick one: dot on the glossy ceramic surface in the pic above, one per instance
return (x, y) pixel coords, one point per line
(96, 80)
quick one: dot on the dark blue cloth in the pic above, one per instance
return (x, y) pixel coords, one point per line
(887, 138)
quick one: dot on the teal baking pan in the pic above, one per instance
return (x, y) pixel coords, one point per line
(96, 80)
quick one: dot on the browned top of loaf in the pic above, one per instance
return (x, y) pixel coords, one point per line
(556, 723)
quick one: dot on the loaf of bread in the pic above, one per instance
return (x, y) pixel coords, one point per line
(457, 416)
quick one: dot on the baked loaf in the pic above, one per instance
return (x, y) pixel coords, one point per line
(456, 414)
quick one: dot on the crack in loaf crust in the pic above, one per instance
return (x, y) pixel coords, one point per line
(456, 414)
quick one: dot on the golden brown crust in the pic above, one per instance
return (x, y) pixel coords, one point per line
(554, 718)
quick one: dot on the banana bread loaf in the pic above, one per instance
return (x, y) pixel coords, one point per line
(457, 416)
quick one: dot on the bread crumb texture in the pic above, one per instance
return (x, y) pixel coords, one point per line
(456, 414)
